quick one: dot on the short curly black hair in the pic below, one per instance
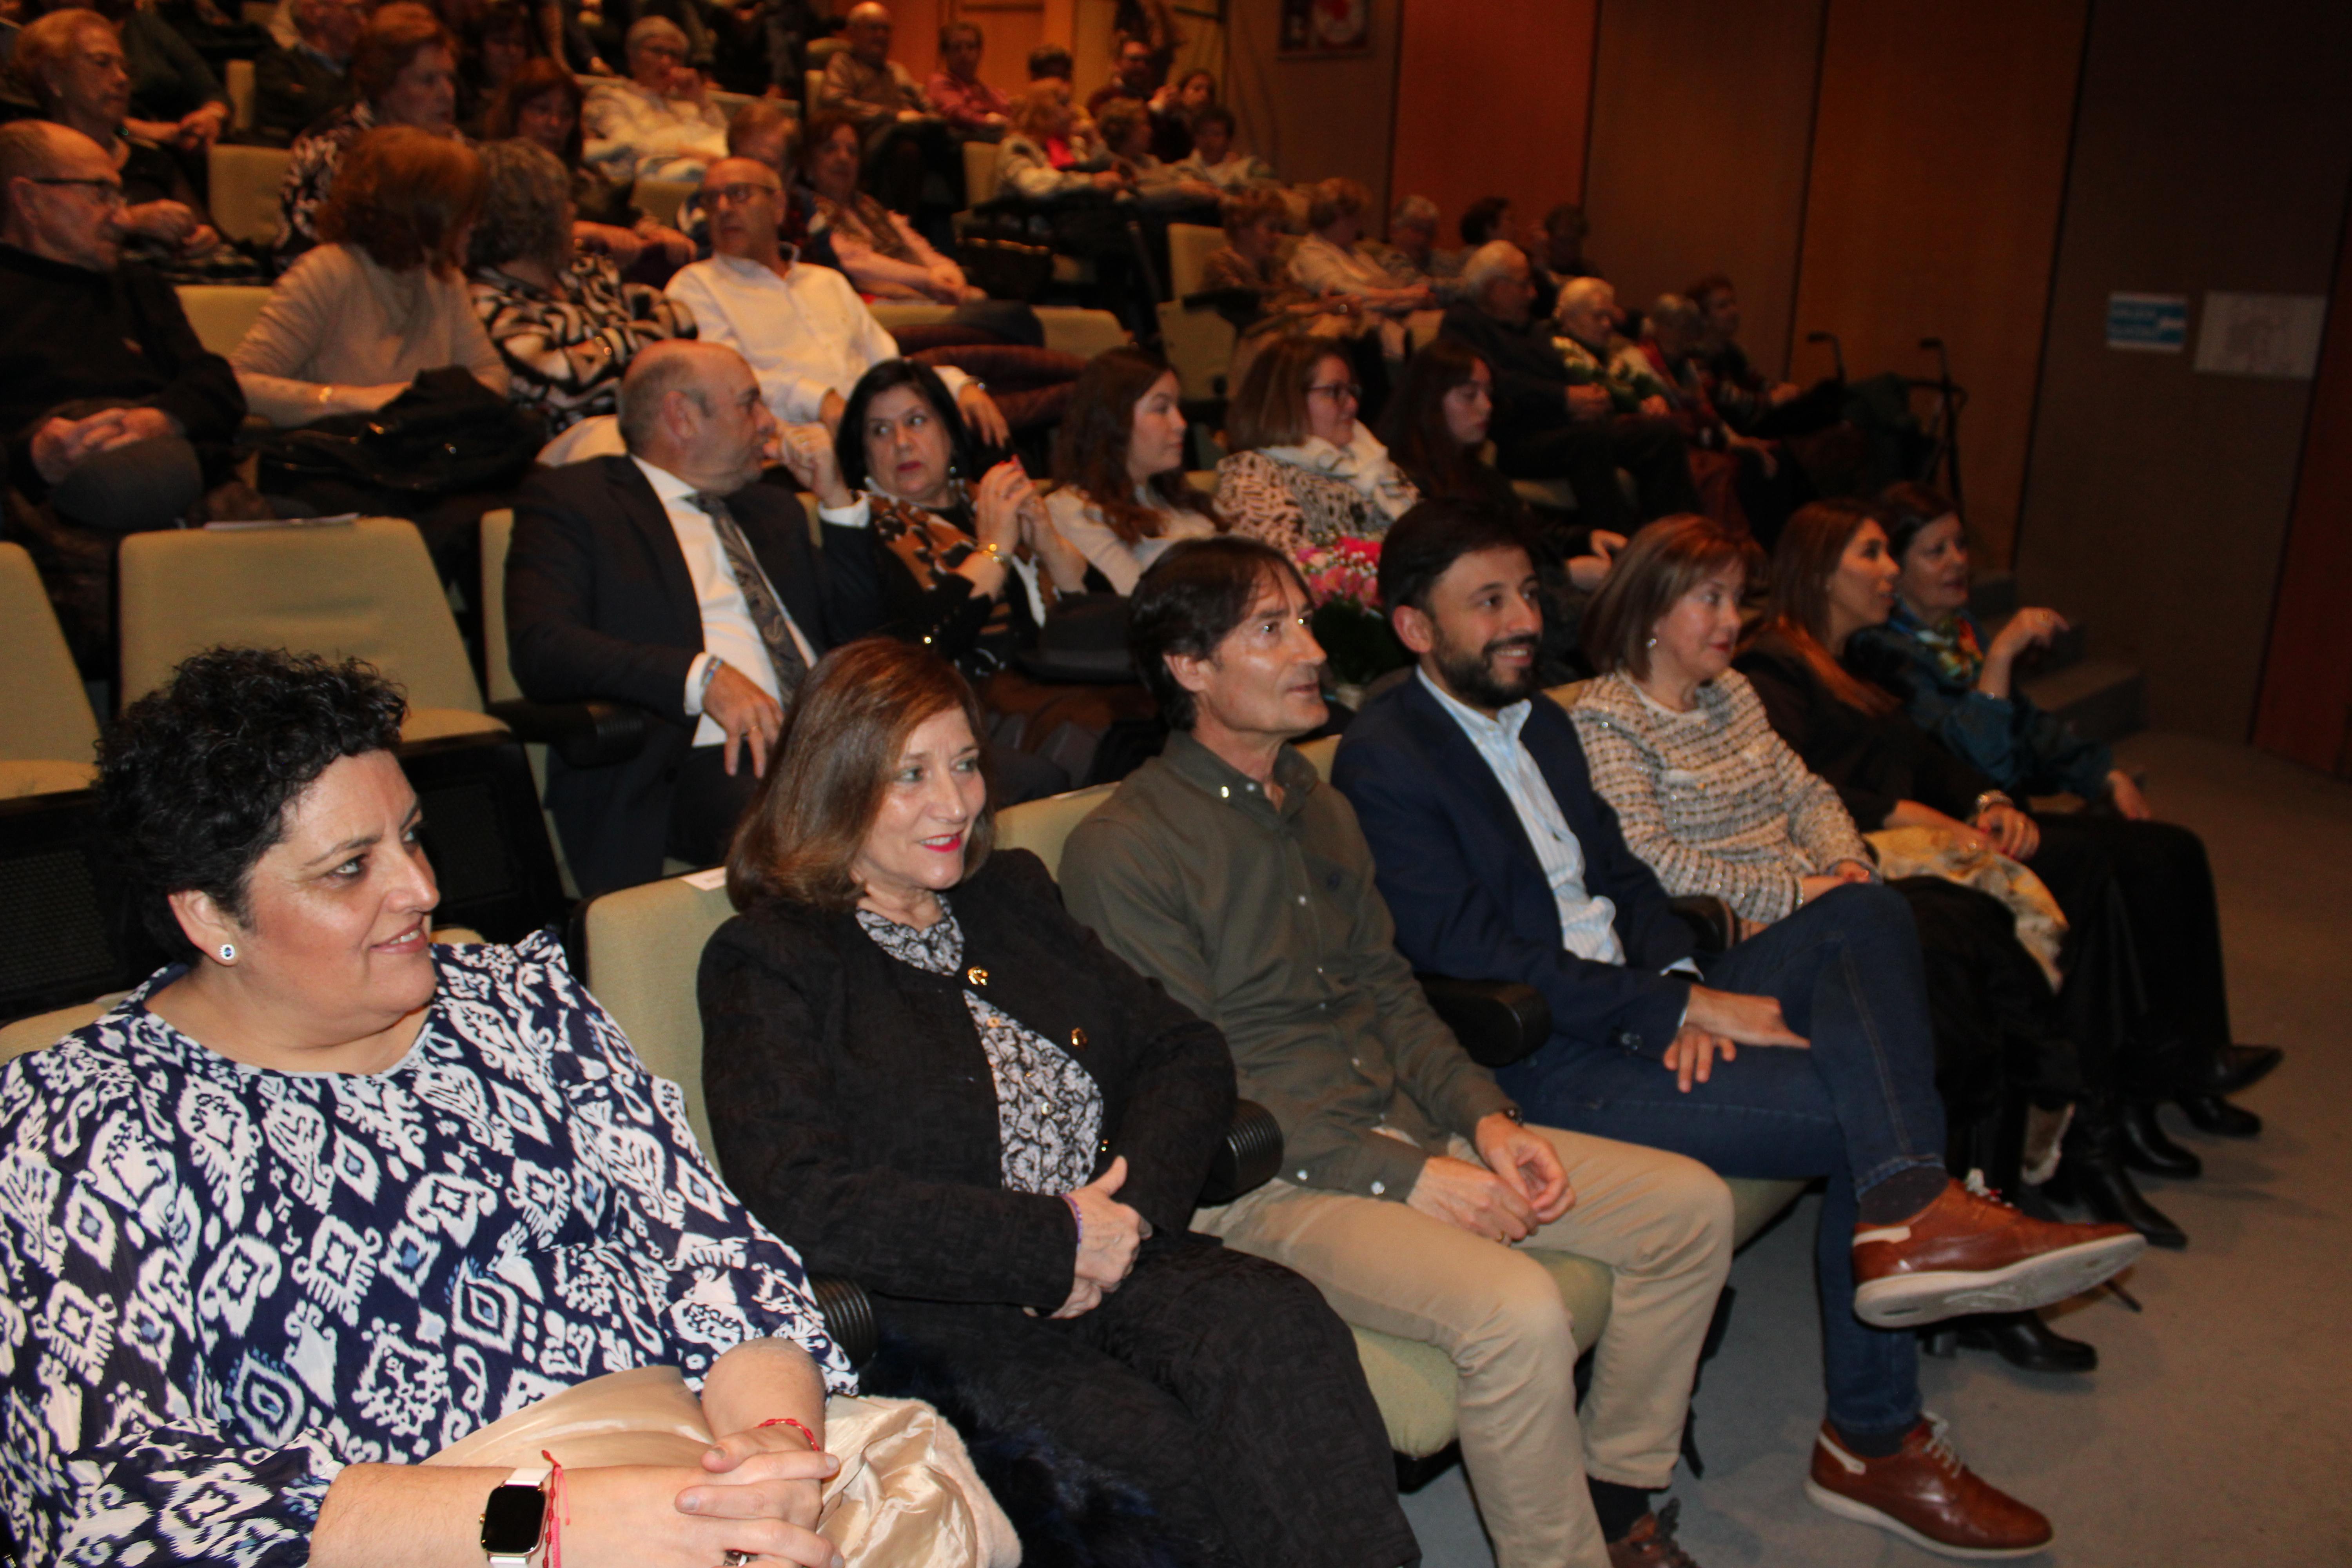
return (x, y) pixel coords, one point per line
(195, 779)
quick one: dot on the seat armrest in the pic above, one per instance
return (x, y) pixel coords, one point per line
(584, 734)
(1710, 920)
(1497, 1021)
(1248, 1158)
(848, 1313)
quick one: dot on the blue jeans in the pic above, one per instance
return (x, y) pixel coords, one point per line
(1859, 1107)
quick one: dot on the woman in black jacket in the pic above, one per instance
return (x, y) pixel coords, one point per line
(953, 1093)
(1831, 575)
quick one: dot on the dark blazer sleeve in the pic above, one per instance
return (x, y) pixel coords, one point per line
(554, 576)
(1448, 919)
(854, 600)
(204, 395)
(776, 1047)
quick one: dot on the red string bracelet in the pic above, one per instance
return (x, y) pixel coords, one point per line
(782, 1421)
(558, 1509)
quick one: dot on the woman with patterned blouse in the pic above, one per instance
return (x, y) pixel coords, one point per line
(321, 1197)
(565, 323)
(1304, 473)
(917, 1061)
(404, 72)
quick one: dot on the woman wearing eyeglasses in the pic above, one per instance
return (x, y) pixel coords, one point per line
(1304, 474)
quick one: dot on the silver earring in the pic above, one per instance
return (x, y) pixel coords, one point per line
(1651, 642)
(228, 952)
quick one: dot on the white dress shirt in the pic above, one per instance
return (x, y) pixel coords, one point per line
(805, 333)
(632, 133)
(1585, 928)
(729, 633)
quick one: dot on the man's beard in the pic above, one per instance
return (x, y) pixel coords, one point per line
(1472, 677)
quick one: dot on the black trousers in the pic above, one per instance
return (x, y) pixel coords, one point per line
(2142, 894)
(1588, 457)
(1212, 1411)
(705, 803)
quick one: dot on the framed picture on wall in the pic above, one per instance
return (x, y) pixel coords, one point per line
(1326, 27)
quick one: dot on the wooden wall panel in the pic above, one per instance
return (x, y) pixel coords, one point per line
(2305, 711)
(1313, 118)
(1702, 130)
(1939, 163)
(1492, 100)
(2205, 158)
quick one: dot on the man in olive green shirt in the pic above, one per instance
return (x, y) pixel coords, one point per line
(1227, 871)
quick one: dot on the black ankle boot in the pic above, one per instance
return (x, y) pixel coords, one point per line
(2025, 1342)
(2146, 1147)
(2092, 1177)
(2212, 1113)
(2226, 1069)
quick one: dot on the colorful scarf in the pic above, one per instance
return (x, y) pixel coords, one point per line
(1952, 644)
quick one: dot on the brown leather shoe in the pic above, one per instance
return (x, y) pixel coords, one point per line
(1651, 1542)
(1923, 1493)
(1970, 1252)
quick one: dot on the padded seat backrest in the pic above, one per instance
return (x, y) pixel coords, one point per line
(1076, 330)
(498, 536)
(44, 712)
(222, 313)
(644, 951)
(238, 79)
(979, 172)
(244, 182)
(660, 199)
(365, 589)
(1190, 245)
(1043, 827)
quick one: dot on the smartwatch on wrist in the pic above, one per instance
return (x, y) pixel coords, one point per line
(514, 1520)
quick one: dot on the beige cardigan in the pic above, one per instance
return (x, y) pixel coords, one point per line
(338, 319)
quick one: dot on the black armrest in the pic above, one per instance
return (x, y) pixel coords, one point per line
(1250, 1156)
(848, 1314)
(1497, 1021)
(1710, 920)
(585, 734)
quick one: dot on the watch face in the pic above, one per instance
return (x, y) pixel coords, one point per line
(511, 1520)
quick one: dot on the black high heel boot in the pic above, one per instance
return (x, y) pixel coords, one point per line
(2212, 1113)
(2092, 1177)
(2145, 1147)
(2024, 1340)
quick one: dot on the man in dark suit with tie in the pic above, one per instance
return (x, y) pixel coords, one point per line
(671, 579)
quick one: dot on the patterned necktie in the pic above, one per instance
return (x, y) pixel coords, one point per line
(766, 614)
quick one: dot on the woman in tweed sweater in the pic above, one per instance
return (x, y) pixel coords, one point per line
(1715, 803)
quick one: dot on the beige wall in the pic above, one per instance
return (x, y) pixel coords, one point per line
(1702, 135)
(2206, 158)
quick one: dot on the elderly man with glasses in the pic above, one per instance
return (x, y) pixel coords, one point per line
(115, 414)
(806, 334)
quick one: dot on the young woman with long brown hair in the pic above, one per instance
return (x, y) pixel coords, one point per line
(1119, 495)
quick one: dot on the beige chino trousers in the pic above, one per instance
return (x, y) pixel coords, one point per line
(1661, 1222)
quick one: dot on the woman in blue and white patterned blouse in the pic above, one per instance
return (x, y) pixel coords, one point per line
(322, 1198)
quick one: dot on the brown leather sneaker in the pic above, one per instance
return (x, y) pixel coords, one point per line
(1970, 1252)
(1651, 1542)
(1924, 1494)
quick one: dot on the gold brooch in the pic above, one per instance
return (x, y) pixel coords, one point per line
(1077, 1039)
(977, 976)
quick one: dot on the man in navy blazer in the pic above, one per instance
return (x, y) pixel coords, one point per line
(1498, 860)
(627, 581)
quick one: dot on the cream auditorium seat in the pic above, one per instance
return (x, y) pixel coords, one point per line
(47, 734)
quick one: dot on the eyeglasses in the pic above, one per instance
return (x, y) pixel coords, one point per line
(110, 191)
(743, 192)
(1338, 391)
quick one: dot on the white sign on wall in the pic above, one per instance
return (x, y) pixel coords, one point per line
(2261, 335)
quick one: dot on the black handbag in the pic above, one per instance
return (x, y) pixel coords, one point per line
(447, 434)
